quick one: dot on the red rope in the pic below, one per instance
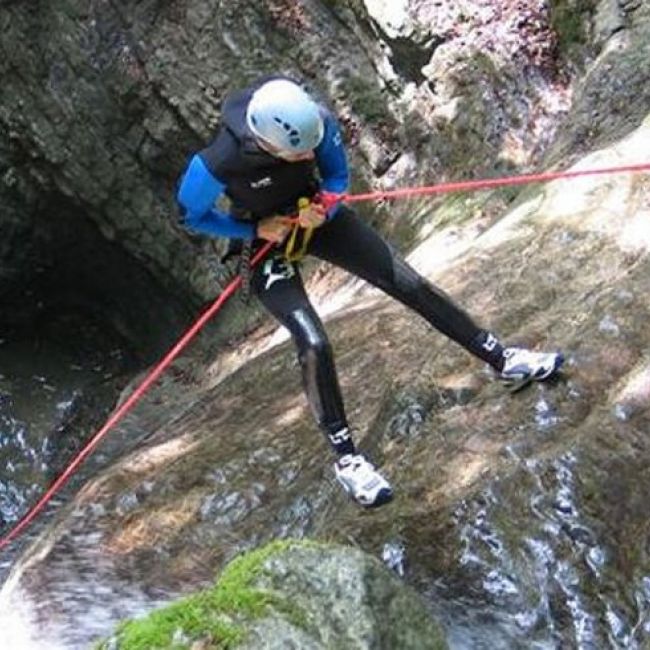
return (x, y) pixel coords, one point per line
(484, 183)
(328, 198)
(129, 403)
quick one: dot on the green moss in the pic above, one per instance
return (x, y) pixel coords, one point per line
(568, 22)
(212, 613)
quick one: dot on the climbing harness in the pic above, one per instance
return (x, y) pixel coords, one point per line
(293, 253)
(328, 200)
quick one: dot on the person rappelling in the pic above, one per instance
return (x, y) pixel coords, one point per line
(279, 154)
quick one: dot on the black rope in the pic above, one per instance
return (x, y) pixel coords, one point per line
(245, 271)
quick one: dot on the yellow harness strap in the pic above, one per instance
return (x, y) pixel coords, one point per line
(291, 252)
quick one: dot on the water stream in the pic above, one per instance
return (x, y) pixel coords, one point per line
(57, 382)
(546, 585)
(535, 569)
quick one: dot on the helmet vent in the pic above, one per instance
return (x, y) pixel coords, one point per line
(294, 135)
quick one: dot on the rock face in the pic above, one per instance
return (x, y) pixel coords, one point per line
(613, 97)
(522, 515)
(118, 96)
(318, 597)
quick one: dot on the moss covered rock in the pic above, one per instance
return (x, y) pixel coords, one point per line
(291, 595)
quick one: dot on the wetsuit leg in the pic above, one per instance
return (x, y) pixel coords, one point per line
(350, 243)
(279, 287)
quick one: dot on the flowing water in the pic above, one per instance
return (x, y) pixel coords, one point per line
(546, 585)
(534, 570)
(57, 382)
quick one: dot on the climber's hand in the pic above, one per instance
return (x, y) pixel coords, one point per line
(274, 229)
(311, 214)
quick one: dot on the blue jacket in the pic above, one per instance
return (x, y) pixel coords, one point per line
(258, 184)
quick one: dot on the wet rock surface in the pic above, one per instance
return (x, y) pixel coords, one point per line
(519, 517)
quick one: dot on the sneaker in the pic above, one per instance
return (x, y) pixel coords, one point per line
(523, 366)
(362, 481)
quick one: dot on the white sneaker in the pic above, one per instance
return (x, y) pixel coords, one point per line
(523, 366)
(362, 481)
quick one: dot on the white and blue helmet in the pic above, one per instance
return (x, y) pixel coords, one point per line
(284, 115)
